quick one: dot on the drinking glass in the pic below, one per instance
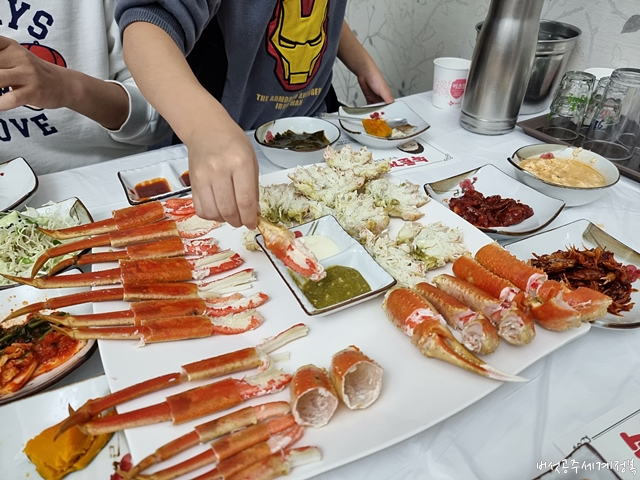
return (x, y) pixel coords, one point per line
(569, 105)
(594, 101)
(614, 131)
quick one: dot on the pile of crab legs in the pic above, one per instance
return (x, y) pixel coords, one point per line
(154, 270)
(492, 295)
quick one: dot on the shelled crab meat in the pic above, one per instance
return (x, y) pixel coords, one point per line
(143, 271)
(234, 282)
(416, 317)
(237, 361)
(289, 250)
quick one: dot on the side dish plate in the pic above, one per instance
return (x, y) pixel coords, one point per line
(173, 174)
(18, 182)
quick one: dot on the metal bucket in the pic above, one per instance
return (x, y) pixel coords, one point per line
(555, 43)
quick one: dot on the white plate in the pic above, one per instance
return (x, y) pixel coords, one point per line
(21, 421)
(171, 171)
(490, 180)
(352, 254)
(417, 392)
(397, 109)
(584, 234)
(18, 182)
(18, 297)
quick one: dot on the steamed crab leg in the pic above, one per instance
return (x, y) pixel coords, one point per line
(416, 317)
(470, 270)
(228, 363)
(513, 324)
(130, 217)
(159, 291)
(143, 271)
(479, 335)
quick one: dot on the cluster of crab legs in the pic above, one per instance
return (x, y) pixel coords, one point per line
(491, 296)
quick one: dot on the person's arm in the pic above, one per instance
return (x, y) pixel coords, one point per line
(36, 82)
(357, 59)
(222, 164)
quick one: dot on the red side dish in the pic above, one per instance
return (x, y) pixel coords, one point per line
(491, 211)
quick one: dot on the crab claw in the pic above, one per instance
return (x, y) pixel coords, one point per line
(417, 318)
(285, 247)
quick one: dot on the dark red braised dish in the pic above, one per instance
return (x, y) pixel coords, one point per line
(491, 211)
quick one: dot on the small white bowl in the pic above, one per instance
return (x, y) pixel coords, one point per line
(572, 196)
(172, 171)
(18, 182)
(396, 109)
(288, 158)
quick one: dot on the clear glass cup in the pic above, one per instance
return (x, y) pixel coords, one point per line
(614, 131)
(569, 105)
(594, 101)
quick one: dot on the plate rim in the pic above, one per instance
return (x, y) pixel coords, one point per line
(28, 194)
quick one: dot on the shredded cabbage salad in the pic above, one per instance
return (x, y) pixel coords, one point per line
(22, 243)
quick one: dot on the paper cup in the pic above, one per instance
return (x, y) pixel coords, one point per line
(449, 81)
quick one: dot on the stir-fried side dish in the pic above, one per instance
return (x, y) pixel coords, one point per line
(22, 242)
(491, 211)
(301, 142)
(595, 268)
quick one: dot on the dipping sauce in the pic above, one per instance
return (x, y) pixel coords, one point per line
(153, 187)
(186, 181)
(301, 142)
(321, 246)
(340, 284)
(567, 172)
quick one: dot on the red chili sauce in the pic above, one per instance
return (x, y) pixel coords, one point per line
(186, 181)
(491, 211)
(54, 345)
(153, 187)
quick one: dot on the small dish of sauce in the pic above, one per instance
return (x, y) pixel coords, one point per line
(152, 187)
(321, 246)
(184, 178)
(340, 284)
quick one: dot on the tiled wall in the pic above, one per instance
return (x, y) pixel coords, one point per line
(405, 36)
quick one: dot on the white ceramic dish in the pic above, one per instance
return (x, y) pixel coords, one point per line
(584, 234)
(20, 296)
(352, 254)
(21, 421)
(599, 72)
(572, 196)
(70, 208)
(490, 180)
(289, 158)
(171, 170)
(397, 109)
(18, 182)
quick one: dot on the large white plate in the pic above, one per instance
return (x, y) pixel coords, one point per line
(584, 234)
(18, 297)
(417, 392)
(18, 182)
(21, 421)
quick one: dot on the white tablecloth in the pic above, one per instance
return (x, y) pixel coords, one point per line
(509, 433)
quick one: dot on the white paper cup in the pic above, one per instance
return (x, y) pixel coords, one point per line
(449, 81)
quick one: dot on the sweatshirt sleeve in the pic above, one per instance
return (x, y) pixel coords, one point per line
(144, 125)
(183, 21)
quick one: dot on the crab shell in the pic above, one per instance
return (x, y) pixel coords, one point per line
(356, 378)
(313, 398)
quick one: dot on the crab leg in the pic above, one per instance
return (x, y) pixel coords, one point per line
(194, 403)
(473, 272)
(314, 399)
(143, 271)
(479, 335)
(228, 446)
(159, 291)
(129, 217)
(289, 250)
(513, 324)
(416, 317)
(228, 363)
(356, 378)
(210, 431)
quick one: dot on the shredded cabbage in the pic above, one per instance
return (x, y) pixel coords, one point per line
(22, 242)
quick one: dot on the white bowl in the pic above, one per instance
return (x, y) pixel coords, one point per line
(396, 109)
(288, 158)
(572, 196)
(18, 182)
(171, 171)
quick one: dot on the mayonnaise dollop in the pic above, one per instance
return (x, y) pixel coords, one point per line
(321, 246)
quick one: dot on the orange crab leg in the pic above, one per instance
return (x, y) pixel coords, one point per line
(416, 317)
(194, 403)
(473, 272)
(356, 378)
(210, 431)
(513, 324)
(479, 335)
(313, 398)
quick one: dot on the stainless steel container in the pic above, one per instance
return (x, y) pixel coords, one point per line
(501, 66)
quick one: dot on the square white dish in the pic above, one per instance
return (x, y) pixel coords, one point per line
(18, 182)
(397, 109)
(490, 180)
(352, 254)
(584, 234)
(171, 171)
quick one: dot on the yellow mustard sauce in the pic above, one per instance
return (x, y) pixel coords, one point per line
(564, 171)
(340, 284)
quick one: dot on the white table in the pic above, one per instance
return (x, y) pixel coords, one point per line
(509, 432)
